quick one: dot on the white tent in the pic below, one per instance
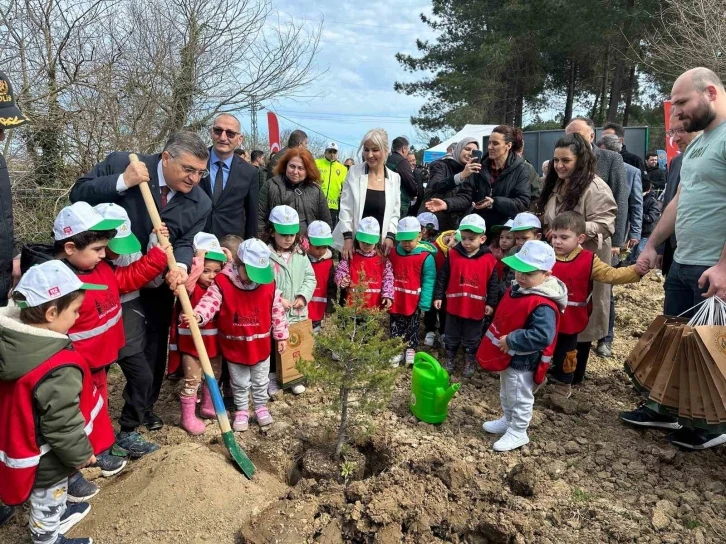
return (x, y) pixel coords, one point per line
(474, 131)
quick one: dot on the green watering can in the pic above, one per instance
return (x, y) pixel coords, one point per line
(430, 389)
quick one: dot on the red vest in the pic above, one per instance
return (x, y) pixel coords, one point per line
(440, 257)
(577, 276)
(512, 314)
(466, 293)
(372, 268)
(20, 452)
(245, 322)
(407, 272)
(98, 333)
(319, 302)
(180, 336)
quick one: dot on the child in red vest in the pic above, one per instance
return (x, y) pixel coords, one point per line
(369, 263)
(414, 275)
(521, 340)
(249, 310)
(81, 236)
(321, 238)
(53, 421)
(468, 281)
(577, 268)
(208, 261)
(430, 234)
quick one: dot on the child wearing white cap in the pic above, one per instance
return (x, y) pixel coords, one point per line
(502, 245)
(468, 282)
(294, 274)
(369, 262)
(81, 237)
(429, 226)
(521, 340)
(320, 238)
(54, 420)
(414, 275)
(209, 258)
(249, 309)
(123, 250)
(442, 243)
(525, 227)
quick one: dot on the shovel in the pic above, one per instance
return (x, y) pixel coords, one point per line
(240, 457)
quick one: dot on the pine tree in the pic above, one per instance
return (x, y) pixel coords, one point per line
(353, 353)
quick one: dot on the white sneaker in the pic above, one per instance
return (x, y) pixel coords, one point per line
(498, 426)
(510, 441)
(410, 354)
(297, 389)
(396, 361)
(430, 339)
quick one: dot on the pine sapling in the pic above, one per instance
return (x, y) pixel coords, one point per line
(353, 353)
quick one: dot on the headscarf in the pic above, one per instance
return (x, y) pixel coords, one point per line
(461, 145)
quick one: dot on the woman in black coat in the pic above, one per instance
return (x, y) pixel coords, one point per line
(447, 174)
(501, 189)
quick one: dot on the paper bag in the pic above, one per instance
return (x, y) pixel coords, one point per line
(299, 346)
(651, 362)
(648, 339)
(711, 343)
(668, 375)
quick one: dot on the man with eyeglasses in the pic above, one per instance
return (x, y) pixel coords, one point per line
(332, 176)
(232, 183)
(173, 177)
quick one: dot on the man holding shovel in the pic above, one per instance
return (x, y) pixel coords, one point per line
(173, 177)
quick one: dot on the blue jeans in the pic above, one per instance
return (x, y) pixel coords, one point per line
(681, 289)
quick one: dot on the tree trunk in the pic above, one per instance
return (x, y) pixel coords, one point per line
(570, 94)
(343, 421)
(616, 89)
(604, 86)
(629, 95)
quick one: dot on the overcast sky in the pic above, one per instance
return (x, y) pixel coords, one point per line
(357, 48)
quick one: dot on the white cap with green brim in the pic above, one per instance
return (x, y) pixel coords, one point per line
(285, 219)
(319, 234)
(408, 229)
(255, 255)
(369, 231)
(48, 281)
(427, 218)
(81, 217)
(125, 242)
(525, 221)
(473, 223)
(506, 226)
(534, 255)
(209, 243)
(457, 235)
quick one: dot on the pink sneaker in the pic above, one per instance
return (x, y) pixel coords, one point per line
(263, 416)
(241, 421)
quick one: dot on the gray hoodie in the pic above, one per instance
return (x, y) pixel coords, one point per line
(541, 326)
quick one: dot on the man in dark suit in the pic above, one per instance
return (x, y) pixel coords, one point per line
(232, 183)
(629, 158)
(173, 176)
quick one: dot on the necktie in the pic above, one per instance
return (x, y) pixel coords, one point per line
(164, 195)
(218, 183)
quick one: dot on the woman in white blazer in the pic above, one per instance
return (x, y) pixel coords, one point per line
(369, 189)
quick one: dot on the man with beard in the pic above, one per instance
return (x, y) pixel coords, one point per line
(695, 215)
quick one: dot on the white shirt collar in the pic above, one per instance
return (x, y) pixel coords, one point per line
(162, 181)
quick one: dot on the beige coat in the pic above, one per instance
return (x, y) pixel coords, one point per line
(598, 206)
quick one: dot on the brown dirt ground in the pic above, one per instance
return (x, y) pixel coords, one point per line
(585, 477)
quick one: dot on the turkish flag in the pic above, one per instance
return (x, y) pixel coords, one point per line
(273, 130)
(671, 148)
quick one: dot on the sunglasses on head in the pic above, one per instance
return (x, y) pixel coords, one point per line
(219, 130)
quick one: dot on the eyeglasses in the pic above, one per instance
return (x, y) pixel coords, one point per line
(230, 133)
(189, 171)
(675, 132)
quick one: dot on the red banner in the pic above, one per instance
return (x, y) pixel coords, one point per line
(273, 129)
(671, 148)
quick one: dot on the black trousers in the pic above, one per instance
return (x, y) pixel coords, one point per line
(566, 343)
(583, 355)
(406, 327)
(430, 320)
(158, 303)
(460, 330)
(139, 383)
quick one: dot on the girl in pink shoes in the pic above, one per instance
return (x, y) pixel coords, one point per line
(249, 309)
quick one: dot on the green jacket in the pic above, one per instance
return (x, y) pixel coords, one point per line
(332, 176)
(428, 273)
(295, 279)
(59, 420)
